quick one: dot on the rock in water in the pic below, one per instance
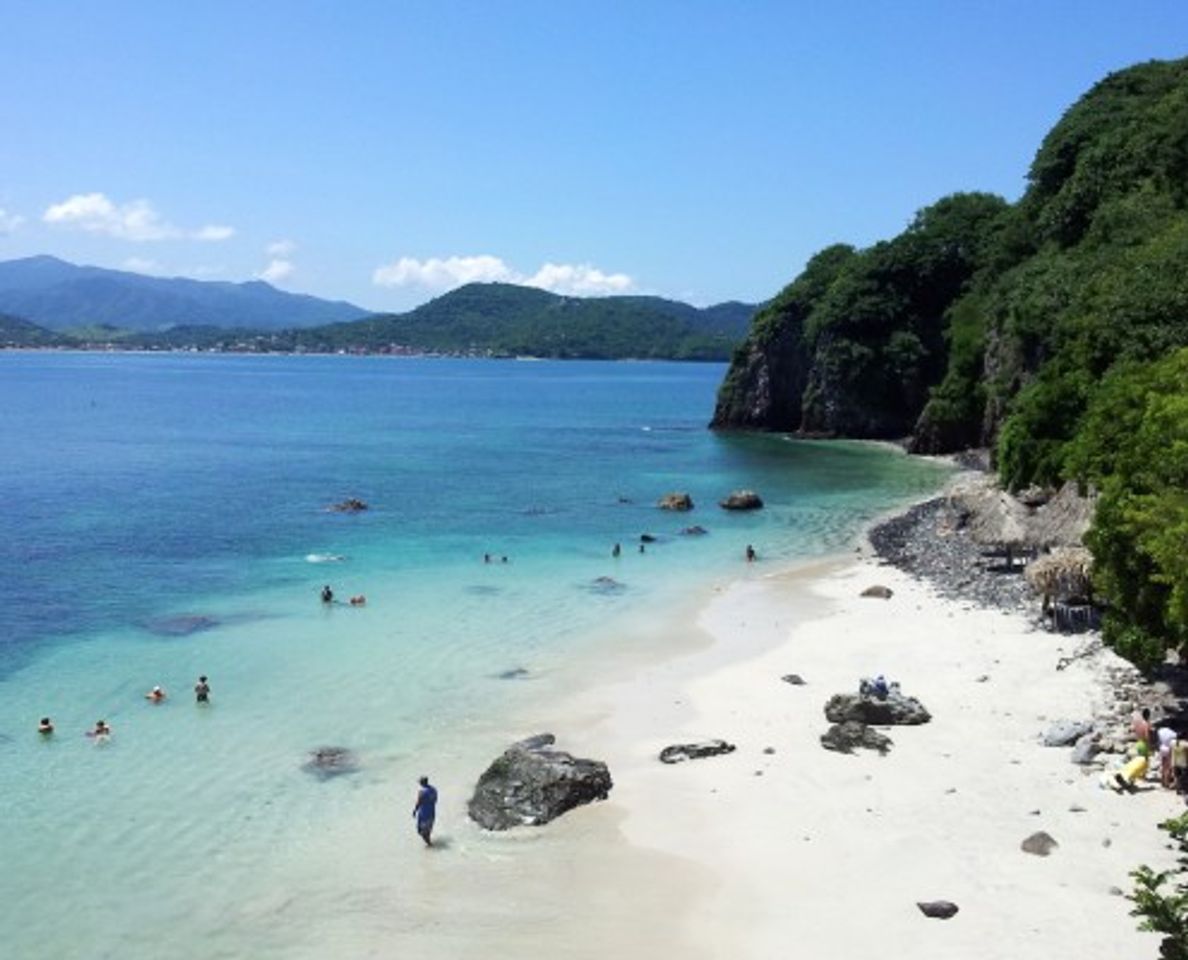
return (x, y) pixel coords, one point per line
(349, 505)
(181, 625)
(938, 909)
(894, 709)
(1040, 843)
(529, 785)
(878, 592)
(680, 752)
(694, 531)
(328, 762)
(848, 736)
(741, 500)
(1066, 733)
(675, 501)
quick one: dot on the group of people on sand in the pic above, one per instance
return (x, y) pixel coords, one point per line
(1151, 739)
(101, 732)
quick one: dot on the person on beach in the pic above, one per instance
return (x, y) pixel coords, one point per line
(750, 554)
(327, 594)
(202, 690)
(616, 550)
(46, 727)
(425, 810)
(1180, 764)
(1135, 769)
(1140, 725)
(1167, 742)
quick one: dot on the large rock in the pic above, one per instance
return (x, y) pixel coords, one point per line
(938, 909)
(847, 737)
(1040, 844)
(695, 531)
(680, 752)
(741, 500)
(675, 501)
(529, 785)
(1085, 750)
(878, 591)
(894, 710)
(1067, 732)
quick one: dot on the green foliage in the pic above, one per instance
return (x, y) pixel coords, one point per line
(1161, 912)
(1133, 445)
(15, 332)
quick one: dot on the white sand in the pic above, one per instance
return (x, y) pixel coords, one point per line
(810, 853)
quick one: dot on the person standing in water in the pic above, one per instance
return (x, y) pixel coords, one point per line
(327, 594)
(750, 554)
(202, 691)
(425, 810)
(616, 550)
(46, 727)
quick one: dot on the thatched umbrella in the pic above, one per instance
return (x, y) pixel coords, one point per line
(1063, 574)
(1063, 520)
(993, 517)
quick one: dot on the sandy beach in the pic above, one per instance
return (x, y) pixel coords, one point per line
(783, 847)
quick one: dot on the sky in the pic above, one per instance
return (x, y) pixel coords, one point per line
(383, 152)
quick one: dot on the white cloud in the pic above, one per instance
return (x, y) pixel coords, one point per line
(136, 220)
(445, 274)
(280, 248)
(9, 221)
(276, 270)
(141, 265)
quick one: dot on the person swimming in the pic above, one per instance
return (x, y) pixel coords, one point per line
(46, 727)
(156, 695)
(358, 601)
(101, 732)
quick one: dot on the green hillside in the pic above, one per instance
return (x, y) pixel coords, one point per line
(15, 332)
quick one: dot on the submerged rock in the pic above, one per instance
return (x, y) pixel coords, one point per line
(181, 625)
(349, 505)
(741, 500)
(326, 763)
(938, 909)
(606, 585)
(895, 709)
(529, 785)
(680, 752)
(694, 531)
(515, 673)
(675, 501)
(848, 736)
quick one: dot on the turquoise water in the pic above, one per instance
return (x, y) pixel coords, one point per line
(145, 494)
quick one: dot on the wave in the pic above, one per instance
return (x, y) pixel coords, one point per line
(324, 558)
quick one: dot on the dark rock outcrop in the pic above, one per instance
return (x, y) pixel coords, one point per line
(849, 736)
(680, 752)
(675, 501)
(878, 592)
(938, 909)
(325, 763)
(694, 531)
(741, 500)
(530, 784)
(893, 710)
(1040, 843)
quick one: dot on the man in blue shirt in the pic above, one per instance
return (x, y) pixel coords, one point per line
(425, 810)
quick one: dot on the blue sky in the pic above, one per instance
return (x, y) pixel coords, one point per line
(380, 152)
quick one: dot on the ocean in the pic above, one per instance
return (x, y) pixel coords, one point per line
(167, 516)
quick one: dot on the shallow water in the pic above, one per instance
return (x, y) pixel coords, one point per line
(166, 516)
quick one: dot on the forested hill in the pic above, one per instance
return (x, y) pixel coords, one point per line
(1051, 329)
(64, 296)
(986, 321)
(15, 332)
(504, 319)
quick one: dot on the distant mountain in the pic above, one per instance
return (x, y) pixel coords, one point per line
(508, 320)
(63, 296)
(15, 332)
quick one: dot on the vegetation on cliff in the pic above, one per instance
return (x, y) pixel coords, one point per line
(1040, 328)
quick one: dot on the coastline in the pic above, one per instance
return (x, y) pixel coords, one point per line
(756, 850)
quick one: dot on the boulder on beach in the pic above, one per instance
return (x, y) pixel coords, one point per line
(1085, 750)
(893, 710)
(1066, 732)
(530, 784)
(328, 762)
(741, 500)
(349, 505)
(1039, 843)
(793, 678)
(694, 531)
(675, 501)
(937, 909)
(848, 736)
(878, 592)
(680, 752)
